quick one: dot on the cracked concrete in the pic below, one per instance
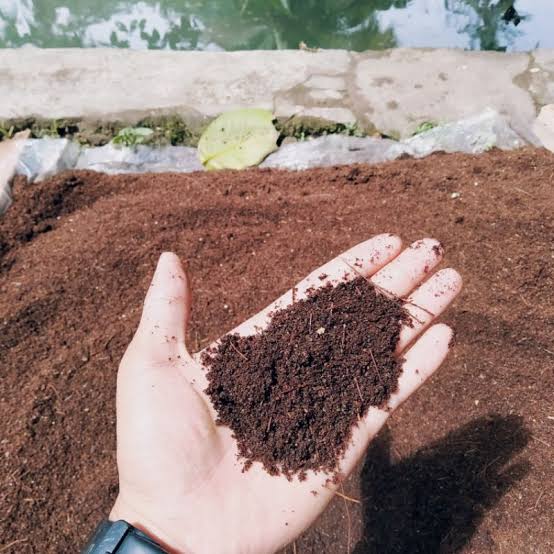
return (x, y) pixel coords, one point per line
(404, 88)
(393, 91)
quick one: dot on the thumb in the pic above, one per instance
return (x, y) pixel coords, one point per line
(166, 310)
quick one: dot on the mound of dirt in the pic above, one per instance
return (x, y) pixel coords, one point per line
(464, 466)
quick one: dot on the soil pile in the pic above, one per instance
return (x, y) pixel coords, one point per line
(292, 393)
(465, 466)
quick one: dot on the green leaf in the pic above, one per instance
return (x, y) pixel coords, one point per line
(141, 131)
(238, 139)
(424, 127)
(131, 136)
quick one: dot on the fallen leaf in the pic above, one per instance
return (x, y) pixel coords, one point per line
(238, 139)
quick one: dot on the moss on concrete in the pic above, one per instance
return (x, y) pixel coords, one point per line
(39, 127)
(168, 129)
(98, 133)
(302, 127)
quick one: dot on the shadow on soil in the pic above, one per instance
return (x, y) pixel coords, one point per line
(434, 500)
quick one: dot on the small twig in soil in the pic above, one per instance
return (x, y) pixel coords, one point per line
(538, 500)
(540, 440)
(522, 298)
(107, 346)
(238, 351)
(13, 475)
(310, 323)
(375, 364)
(269, 424)
(359, 391)
(347, 520)
(109, 341)
(524, 191)
(349, 498)
(57, 395)
(484, 470)
(13, 543)
(343, 337)
(294, 547)
(445, 538)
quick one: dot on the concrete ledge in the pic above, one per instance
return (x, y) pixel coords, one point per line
(98, 82)
(392, 91)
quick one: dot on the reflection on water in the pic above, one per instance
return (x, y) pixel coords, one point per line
(270, 24)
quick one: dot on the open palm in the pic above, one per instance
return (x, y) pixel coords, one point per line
(180, 478)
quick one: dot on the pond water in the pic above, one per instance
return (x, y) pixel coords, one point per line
(512, 25)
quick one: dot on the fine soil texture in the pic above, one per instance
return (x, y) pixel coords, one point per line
(464, 466)
(292, 393)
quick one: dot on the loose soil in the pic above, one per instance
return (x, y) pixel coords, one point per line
(464, 466)
(292, 393)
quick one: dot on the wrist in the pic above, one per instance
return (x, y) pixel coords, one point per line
(120, 537)
(123, 511)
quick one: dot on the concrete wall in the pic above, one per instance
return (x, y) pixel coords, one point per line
(392, 91)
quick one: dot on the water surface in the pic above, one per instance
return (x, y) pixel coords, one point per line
(275, 24)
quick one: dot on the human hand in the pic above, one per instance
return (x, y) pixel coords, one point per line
(179, 477)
